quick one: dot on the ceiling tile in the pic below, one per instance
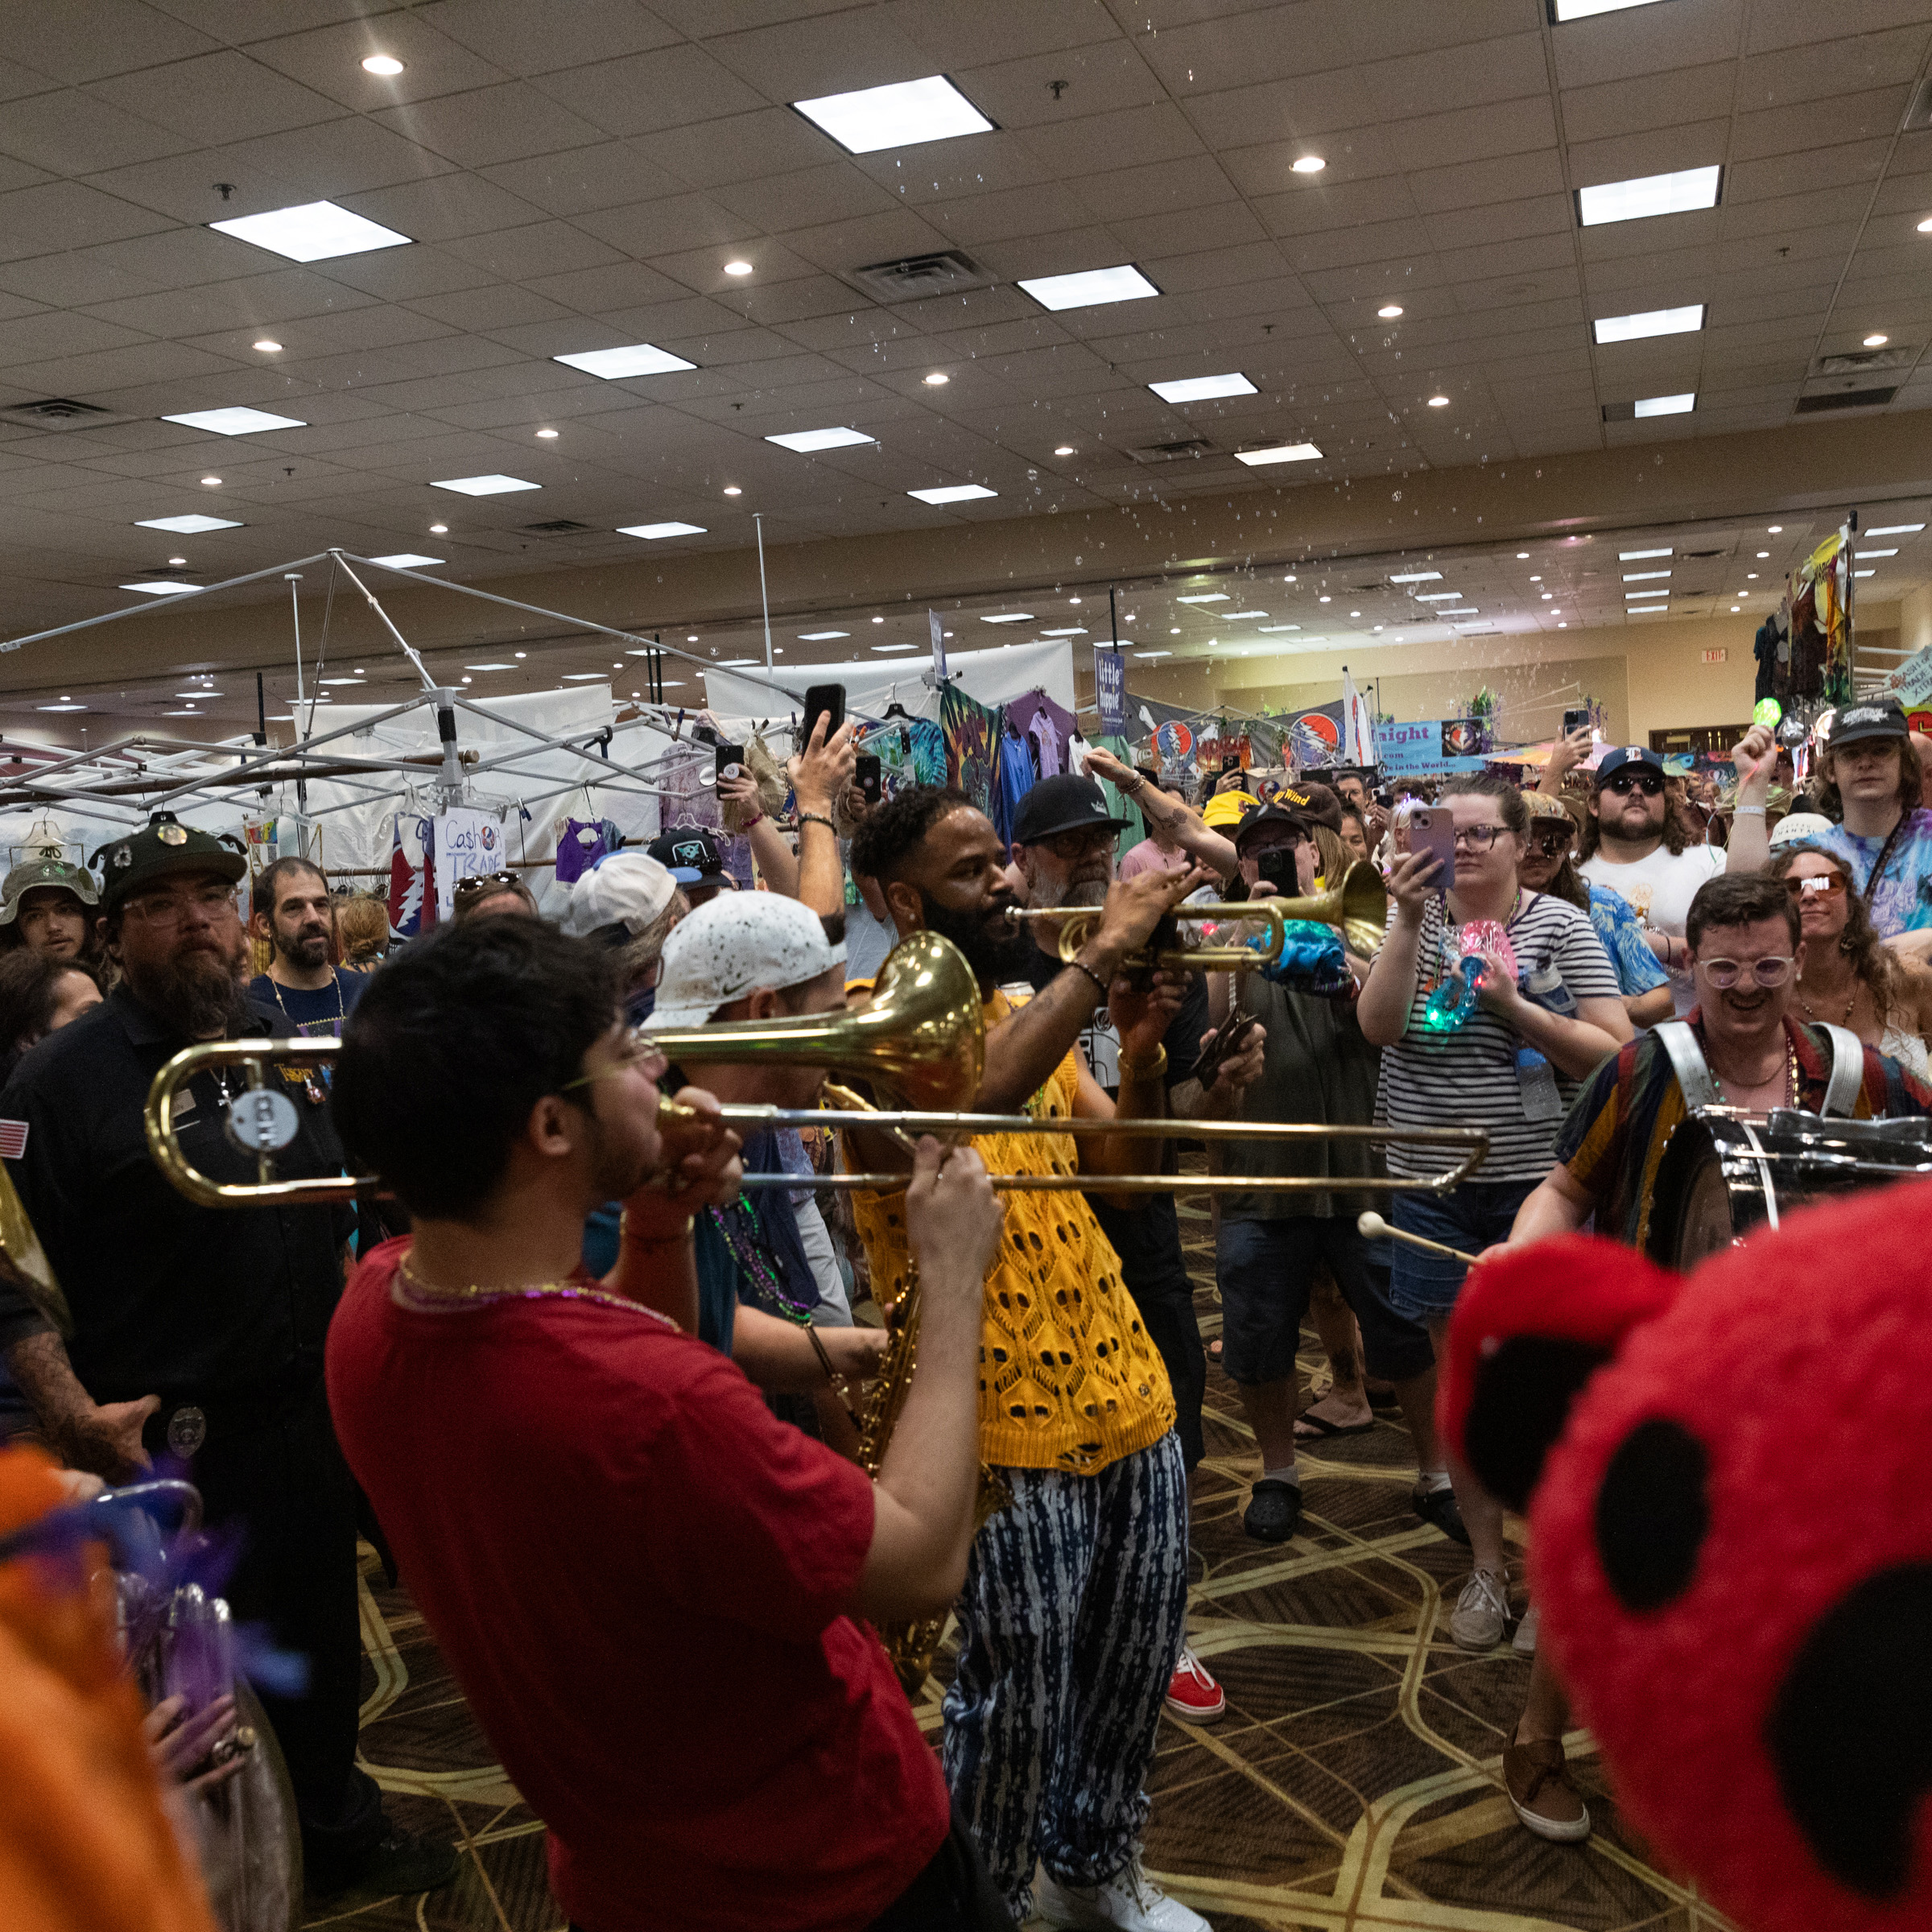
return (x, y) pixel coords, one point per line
(494, 124)
(1310, 111)
(1786, 23)
(76, 43)
(956, 33)
(1508, 127)
(447, 206)
(1870, 117)
(662, 227)
(540, 248)
(800, 60)
(1132, 137)
(534, 40)
(491, 308)
(216, 98)
(585, 178)
(66, 214)
(744, 147)
(840, 246)
(808, 196)
(973, 222)
(596, 291)
(674, 87)
(1647, 40)
(1841, 164)
(330, 59)
(1226, 225)
(69, 133)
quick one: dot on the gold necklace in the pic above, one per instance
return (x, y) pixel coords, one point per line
(476, 1296)
(1851, 1001)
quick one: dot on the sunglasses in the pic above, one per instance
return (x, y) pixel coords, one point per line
(486, 881)
(1549, 844)
(1623, 783)
(1725, 974)
(1824, 885)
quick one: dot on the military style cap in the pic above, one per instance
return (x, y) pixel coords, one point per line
(164, 847)
(49, 870)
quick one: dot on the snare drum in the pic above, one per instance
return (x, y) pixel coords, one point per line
(1725, 1173)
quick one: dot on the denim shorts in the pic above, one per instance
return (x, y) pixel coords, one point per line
(1266, 1270)
(1471, 1217)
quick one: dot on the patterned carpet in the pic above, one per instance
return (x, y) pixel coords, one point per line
(1353, 1783)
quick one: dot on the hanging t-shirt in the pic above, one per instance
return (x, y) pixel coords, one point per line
(1659, 889)
(1902, 901)
(581, 843)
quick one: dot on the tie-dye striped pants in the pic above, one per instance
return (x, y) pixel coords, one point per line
(1070, 1625)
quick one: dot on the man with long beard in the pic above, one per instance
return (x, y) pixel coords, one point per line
(198, 1332)
(294, 913)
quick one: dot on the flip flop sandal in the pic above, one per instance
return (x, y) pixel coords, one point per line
(1320, 1426)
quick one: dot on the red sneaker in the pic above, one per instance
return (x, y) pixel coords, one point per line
(1193, 1696)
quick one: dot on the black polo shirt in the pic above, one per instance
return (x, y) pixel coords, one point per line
(169, 1299)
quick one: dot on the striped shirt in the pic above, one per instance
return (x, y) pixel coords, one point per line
(1468, 1077)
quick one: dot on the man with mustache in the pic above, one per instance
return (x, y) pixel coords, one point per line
(294, 913)
(198, 1331)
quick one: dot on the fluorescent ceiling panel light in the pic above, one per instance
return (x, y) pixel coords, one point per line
(651, 533)
(1468, 610)
(1090, 288)
(953, 493)
(1009, 616)
(820, 637)
(1866, 553)
(172, 714)
(408, 560)
(1635, 201)
(490, 667)
(235, 422)
(1582, 10)
(1283, 452)
(1079, 630)
(1244, 614)
(729, 663)
(615, 364)
(1275, 627)
(1642, 576)
(342, 680)
(1205, 597)
(904, 114)
(1416, 576)
(882, 647)
(1438, 596)
(1659, 590)
(1202, 389)
(805, 441)
(1666, 406)
(1650, 322)
(1633, 556)
(317, 231)
(163, 590)
(1647, 610)
(188, 526)
(1865, 573)
(1153, 653)
(484, 486)
(1878, 530)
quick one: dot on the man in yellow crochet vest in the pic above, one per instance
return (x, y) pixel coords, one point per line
(1075, 1596)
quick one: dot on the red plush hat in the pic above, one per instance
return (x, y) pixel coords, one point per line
(1731, 1541)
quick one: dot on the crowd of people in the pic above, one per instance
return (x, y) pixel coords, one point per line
(598, 1401)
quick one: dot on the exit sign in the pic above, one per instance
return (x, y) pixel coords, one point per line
(1715, 656)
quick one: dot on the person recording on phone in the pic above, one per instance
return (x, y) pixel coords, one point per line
(577, 1490)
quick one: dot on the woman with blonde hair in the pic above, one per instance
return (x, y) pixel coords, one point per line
(362, 928)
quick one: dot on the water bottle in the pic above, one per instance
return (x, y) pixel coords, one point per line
(1536, 1081)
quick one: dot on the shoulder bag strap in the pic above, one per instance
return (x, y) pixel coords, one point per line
(1847, 1072)
(1688, 1062)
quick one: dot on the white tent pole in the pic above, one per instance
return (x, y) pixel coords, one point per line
(764, 595)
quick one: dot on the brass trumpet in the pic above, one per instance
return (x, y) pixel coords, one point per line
(1359, 906)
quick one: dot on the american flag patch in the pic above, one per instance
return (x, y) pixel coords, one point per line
(13, 1140)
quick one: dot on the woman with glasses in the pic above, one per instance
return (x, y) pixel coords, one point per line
(1511, 1066)
(1846, 976)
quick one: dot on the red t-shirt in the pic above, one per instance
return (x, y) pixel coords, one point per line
(638, 1576)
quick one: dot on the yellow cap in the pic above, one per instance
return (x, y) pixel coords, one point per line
(1227, 808)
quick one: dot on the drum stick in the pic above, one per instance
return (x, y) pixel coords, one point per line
(1371, 1225)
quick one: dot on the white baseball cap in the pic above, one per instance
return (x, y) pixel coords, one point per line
(737, 943)
(1796, 827)
(626, 888)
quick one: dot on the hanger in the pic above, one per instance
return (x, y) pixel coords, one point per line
(895, 709)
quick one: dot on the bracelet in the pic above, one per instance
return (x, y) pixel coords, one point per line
(1150, 1069)
(1747, 812)
(818, 818)
(757, 818)
(831, 1374)
(655, 1240)
(1099, 984)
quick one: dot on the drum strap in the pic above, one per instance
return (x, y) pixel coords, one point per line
(1688, 1062)
(1847, 1072)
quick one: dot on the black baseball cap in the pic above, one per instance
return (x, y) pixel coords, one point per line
(1870, 718)
(1629, 754)
(688, 853)
(1302, 810)
(1066, 803)
(164, 847)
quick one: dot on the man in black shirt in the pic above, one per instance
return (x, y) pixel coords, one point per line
(294, 913)
(198, 1331)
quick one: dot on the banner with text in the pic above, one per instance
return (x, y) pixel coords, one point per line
(1110, 690)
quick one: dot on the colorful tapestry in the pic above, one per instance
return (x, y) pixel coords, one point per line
(971, 733)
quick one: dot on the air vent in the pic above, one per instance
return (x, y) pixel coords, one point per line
(1173, 452)
(919, 276)
(558, 526)
(57, 412)
(1689, 555)
(1866, 361)
(1848, 398)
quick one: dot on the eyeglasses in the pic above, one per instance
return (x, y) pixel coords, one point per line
(1623, 783)
(1478, 838)
(1077, 844)
(486, 881)
(1549, 844)
(170, 908)
(1821, 884)
(1725, 974)
(636, 1048)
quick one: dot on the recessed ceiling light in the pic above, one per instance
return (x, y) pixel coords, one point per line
(1008, 617)
(172, 714)
(1231, 614)
(524, 653)
(211, 482)
(1882, 530)
(382, 64)
(878, 620)
(1634, 556)
(617, 364)
(652, 532)
(341, 680)
(1666, 406)
(1309, 164)
(1650, 322)
(731, 489)
(1464, 610)
(1734, 609)
(820, 637)
(317, 231)
(235, 422)
(1411, 576)
(1750, 574)
(1636, 200)
(268, 347)
(161, 590)
(1438, 401)
(1522, 554)
(408, 560)
(492, 485)
(1647, 610)
(1066, 449)
(1638, 576)
(1389, 311)
(1283, 453)
(1153, 653)
(1925, 227)
(188, 526)
(192, 694)
(549, 436)
(737, 268)
(172, 560)
(1202, 389)
(1090, 288)
(938, 379)
(1877, 341)
(438, 530)
(691, 638)
(1774, 529)
(805, 441)
(1323, 598)
(953, 493)
(1548, 594)
(489, 666)
(905, 114)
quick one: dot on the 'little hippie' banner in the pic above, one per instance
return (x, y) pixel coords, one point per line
(1110, 691)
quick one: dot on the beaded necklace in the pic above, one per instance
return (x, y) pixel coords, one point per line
(749, 1253)
(413, 1285)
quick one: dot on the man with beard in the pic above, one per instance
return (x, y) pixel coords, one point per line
(198, 1332)
(294, 914)
(1072, 1619)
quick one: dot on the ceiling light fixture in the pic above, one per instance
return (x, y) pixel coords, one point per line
(1883, 529)
(1650, 322)
(1078, 630)
(620, 365)
(1638, 576)
(737, 268)
(652, 533)
(1582, 10)
(1877, 341)
(385, 64)
(1775, 529)
(1153, 653)
(268, 347)
(173, 560)
(491, 485)
(1089, 288)
(1008, 617)
(1925, 227)
(489, 666)
(317, 231)
(408, 560)
(1204, 596)
(1634, 556)
(819, 637)
(438, 530)
(1648, 195)
(805, 441)
(886, 647)
(905, 113)
(1522, 555)
(1666, 406)
(731, 489)
(1411, 576)
(1202, 389)
(161, 590)
(547, 434)
(1438, 401)
(1441, 597)
(1066, 449)
(953, 493)
(211, 482)
(1389, 311)
(188, 526)
(1309, 164)
(235, 422)
(937, 380)
(878, 620)
(1283, 453)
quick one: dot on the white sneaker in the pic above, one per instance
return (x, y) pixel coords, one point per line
(1129, 1902)
(1524, 1642)
(1476, 1622)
